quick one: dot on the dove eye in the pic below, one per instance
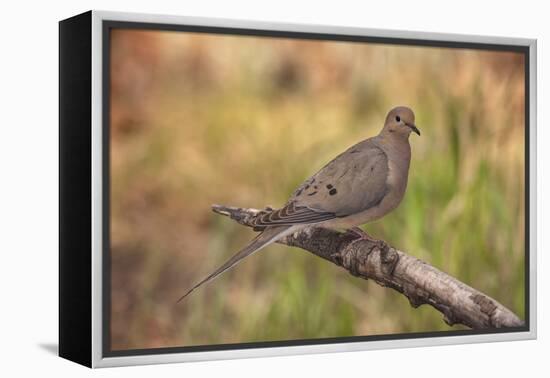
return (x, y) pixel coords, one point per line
(398, 119)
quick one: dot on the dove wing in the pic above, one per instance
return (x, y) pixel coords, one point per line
(352, 182)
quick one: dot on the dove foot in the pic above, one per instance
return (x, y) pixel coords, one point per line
(351, 259)
(388, 257)
(360, 233)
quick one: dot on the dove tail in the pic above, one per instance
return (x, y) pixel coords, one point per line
(268, 236)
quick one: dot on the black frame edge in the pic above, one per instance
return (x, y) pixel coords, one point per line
(75, 215)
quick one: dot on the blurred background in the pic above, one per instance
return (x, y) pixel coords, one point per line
(199, 119)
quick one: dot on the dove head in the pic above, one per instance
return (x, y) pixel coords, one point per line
(400, 122)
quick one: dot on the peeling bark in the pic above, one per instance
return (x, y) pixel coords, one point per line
(420, 282)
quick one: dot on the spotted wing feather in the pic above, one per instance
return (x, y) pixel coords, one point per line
(292, 215)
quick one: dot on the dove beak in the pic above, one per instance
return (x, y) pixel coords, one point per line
(413, 128)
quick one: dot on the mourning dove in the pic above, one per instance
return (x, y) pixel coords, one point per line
(362, 184)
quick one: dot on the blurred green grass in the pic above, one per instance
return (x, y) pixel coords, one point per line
(198, 120)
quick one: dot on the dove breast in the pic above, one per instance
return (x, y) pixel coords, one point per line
(398, 161)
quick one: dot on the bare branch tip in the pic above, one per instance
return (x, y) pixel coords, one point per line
(220, 209)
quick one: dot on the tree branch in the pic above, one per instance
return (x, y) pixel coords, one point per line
(420, 282)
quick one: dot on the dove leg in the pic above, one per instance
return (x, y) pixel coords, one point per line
(362, 234)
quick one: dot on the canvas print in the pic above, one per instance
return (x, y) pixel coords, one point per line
(275, 189)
